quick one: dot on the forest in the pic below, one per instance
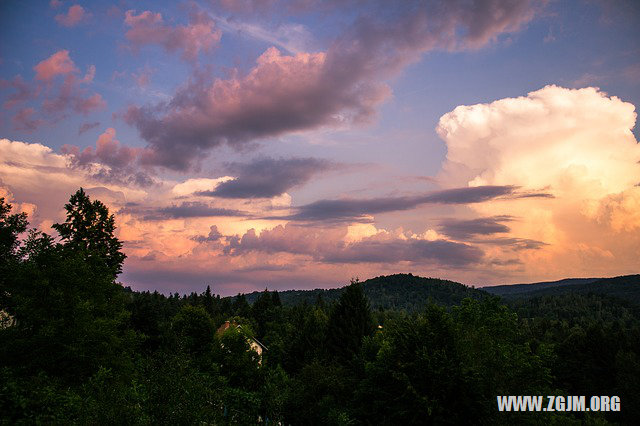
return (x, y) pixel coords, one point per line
(79, 347)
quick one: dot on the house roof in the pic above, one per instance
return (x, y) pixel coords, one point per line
(227, 324)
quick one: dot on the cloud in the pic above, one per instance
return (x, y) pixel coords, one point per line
(73, 17)
(578, 145)
(44, 178)
(352, 209)
(280, 94)
(23, 120)
(342, 86)
(71, 93)
(213, 236)
(268, 177)
(23, 92)
(294, 38)
(57, 64)
(85, 127)
(328, 245)
(149, 28)
(196, 209)
(120, 160)
(108, 151)
(464, 229)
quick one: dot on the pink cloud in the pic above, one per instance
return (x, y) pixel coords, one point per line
(143, 77)
(121, 160)
(24, 92)
(73, 17)
(57, 95)
(72, 96)
(329, 245)
(54, 4)
(23, 120)
(149, 28)
(281, 93)
(57, 64)
(340, 87)
(108, 151)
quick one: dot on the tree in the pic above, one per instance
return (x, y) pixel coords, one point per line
(207, 301)
(70, 314)
(349, 322)
(10, 227)
(240, 306)
(194, 328)
(262, 312)
(275, 298)
(89, 230)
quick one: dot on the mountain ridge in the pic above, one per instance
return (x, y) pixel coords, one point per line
(412, 292)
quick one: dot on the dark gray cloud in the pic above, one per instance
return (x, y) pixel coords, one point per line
(351, 209)
(213, 236)
(445, 253)
(464, 229)
(327, 245)
(85, 127)
(184, 210)
(515, 243)
(343, 85)
(196, 209)
(268, 177)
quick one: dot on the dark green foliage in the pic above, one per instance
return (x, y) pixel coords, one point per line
(240, 306)
(11, 225)
(194, 328)
(263, 311)
(350, 321)
(89, 230)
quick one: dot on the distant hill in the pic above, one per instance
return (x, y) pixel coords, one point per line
(412, 293)
(624, 287)
(399, 291)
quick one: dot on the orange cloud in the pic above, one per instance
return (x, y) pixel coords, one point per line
(575, 144)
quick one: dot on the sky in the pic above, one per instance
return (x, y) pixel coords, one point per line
(251, 144)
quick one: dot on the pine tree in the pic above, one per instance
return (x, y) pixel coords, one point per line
(349, 322)
(208, 301)
(240, 306)
(89, 230)
(275, 298)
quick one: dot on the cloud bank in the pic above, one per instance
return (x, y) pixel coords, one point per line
(577, 145)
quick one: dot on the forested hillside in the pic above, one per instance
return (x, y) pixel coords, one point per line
(399, 292)
(624, 287)
(76, 347)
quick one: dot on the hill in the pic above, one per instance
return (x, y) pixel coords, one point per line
(625, 287)
(399, 291)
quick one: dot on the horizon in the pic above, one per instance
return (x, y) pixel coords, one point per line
(297, 144)
(329, 287)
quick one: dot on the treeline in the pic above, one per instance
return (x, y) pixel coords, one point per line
(76, 347)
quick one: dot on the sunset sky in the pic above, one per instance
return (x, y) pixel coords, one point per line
(297, 144)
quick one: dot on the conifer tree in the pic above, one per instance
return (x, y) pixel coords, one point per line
(89, 230)
(349, 322)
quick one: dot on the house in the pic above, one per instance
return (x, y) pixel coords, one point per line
(6, 320)
(253, 342)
